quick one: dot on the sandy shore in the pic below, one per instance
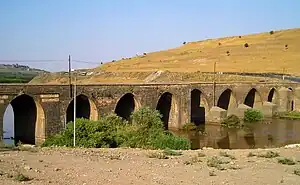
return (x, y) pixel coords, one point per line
(134, 166)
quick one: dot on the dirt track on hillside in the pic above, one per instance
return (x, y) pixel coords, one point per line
(133, 166)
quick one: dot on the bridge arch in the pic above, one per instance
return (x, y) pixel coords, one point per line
(199, 107)
(291, 100)
(253, 99)
(227, 101)
(85, 108)
(167, 107)
(28, 122)
(273, 96)
(126, 105)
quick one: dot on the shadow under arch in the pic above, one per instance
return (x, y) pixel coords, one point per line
(126, 105)
(29, 120)
(199, 107)
(291, 98)
(273, 96)
(85, 108)
(227, 101)
(164, 106)
(253, 99)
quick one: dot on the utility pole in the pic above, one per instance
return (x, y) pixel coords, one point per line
(74, 134)
(214, 85)
(70, 83)
(283, 72)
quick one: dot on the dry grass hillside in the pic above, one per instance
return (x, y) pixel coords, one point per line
(266, 52)
(269, 52)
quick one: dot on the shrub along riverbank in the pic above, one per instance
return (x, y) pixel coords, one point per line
(293, 115)
(144, 130)
(250, 116)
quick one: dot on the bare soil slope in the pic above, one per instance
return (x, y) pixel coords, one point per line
(266, 52)
(276, 52)
(133, 166)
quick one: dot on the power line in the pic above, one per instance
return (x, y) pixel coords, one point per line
(30, 61)
(46, 61)
(87, 62)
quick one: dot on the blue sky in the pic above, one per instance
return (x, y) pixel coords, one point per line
(103, 30)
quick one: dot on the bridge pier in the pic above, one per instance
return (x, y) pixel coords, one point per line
(284, 99)
(216, 115)
(3, 106)
(268, 109)
(186, 102)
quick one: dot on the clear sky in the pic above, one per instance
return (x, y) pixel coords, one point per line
(103, 30)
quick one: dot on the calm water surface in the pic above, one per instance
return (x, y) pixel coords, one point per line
(266, 134)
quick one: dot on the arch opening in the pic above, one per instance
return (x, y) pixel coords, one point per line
(271, 96)
(125, 106)
(227, 101)
(291, 100)
(85, 108)
(224, 99)
(164, 107)
(198, 105)
(24, 121)
(253, 99)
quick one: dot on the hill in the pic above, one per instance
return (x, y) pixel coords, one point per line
(269, 52)
(266, 52)
(15, 73)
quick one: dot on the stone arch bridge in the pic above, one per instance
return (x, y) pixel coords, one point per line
(42, 110)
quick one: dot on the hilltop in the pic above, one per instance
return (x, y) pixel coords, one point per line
(268, 52)
(15, 73)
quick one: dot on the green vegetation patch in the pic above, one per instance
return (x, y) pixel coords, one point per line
(171, 152)
(232, 121)
(252, 115)
(217, 163)
(293, 115)
(144, 130)
(189, 127)
(269, 154)
(158, 155)
(286, 161)
(20, 177)
(225, 154)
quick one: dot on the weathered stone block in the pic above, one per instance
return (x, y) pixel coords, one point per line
(284, 99)
(240, 112)
(297, 99)
(216, 114)
(268, 109)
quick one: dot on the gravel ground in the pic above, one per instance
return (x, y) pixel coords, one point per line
(135, 166)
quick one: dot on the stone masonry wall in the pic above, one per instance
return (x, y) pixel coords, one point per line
(54, 99)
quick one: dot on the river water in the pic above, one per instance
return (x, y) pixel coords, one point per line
(266, 134)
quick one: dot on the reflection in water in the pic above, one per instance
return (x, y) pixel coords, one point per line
(267, 134)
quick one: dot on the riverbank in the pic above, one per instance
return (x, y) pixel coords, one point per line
(136, 166)
(293, 115)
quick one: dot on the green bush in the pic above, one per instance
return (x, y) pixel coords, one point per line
(292, 115)
(189, 126)
(232, 121)
(146, 130)
(252, 115)
(90, 134)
